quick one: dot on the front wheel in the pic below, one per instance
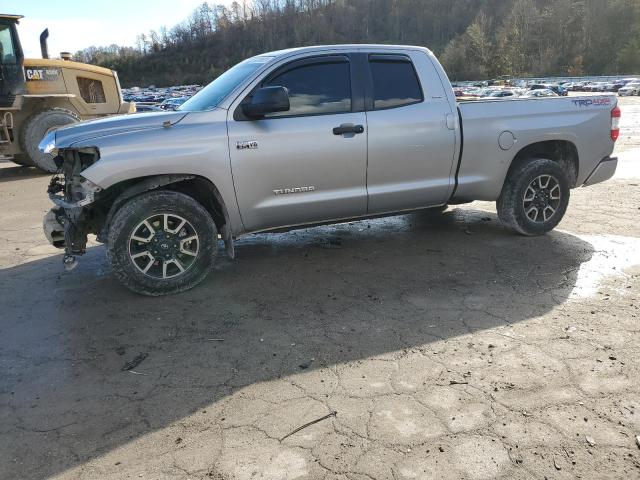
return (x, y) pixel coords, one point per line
(534, 197)
(162, 242)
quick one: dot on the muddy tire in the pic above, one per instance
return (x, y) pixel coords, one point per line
(36, 127)
(162, 242)
(534, 197)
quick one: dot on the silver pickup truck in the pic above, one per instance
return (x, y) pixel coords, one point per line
(308, 136)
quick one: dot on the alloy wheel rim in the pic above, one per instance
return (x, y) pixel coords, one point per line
(542, 198)
(163, 246)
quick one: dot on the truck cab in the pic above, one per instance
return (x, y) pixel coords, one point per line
(349, 113)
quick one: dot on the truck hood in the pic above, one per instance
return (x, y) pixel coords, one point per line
(84, 131)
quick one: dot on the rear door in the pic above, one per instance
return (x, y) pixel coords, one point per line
(291, 168)
(411, 136)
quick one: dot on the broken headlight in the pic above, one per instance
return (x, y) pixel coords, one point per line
(72, 193)
(48, 144)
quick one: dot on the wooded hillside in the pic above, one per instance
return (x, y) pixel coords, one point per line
(474, 39)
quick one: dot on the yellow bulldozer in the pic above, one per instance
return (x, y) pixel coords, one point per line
(40, 95)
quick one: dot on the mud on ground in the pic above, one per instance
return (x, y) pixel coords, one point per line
(448, 347)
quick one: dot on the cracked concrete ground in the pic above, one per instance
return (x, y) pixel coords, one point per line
(448, 347)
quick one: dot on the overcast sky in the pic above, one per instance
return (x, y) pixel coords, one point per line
(77, 24)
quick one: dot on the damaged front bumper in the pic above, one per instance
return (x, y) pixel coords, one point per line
(67, 225)
(53, 226)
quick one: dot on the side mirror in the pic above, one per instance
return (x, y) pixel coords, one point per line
(267, 100)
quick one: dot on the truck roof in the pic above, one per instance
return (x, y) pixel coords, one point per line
(348, 47)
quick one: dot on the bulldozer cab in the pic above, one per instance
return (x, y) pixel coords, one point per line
(12, 80)
(39, 95)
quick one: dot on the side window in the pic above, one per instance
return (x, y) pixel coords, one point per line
(7, 53)
(91, 90)
(395, 83)
(315, 89)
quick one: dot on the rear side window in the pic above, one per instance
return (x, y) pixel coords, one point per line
(395, 83)
(91, 90)
(315, 89)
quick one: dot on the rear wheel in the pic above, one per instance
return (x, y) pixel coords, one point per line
(534, 197)
(162, 242)
(34, 130)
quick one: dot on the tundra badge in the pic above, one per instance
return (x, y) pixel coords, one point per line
(284, 191)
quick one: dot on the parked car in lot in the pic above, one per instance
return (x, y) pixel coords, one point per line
(545, 92)
(474, 92)
(559, 90)
(500, 94)
(616, 85)
(599, 87)
(173, 103)
(626, 81)
(555, 88)
(147, 107)
(629, 89)
(308, 136)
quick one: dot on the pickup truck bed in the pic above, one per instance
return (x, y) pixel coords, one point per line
(307, 136)
(573, 129)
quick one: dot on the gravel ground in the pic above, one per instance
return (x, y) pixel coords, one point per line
(448, 347)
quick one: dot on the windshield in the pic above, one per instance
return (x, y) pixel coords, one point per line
(211, 95)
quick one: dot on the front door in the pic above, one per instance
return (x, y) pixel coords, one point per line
(292, 168)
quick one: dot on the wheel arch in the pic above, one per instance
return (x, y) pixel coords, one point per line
(563, 152)
(197, 187)
(34, 105)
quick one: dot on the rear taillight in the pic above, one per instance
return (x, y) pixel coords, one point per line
(615, 123)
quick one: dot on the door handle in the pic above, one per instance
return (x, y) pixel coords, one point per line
(348, 128)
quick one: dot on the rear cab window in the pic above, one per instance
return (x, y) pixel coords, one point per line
(395, 81)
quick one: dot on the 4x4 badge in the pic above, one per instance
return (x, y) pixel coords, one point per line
(246, 145)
